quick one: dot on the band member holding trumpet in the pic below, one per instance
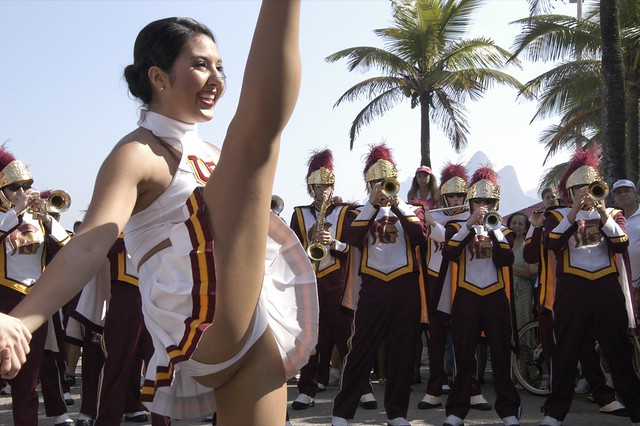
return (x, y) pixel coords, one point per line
(592, 287)
(480, 289)
(535, 252)
(384, 290)
(320, 227)
(453, 195)
(29, 235)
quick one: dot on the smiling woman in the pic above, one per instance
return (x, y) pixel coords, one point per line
(210, 311)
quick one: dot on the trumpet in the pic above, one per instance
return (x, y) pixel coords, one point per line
(492, 221)
(598, 190)
(463, 208)
(57, 202)
(277, 204)
(390, 187)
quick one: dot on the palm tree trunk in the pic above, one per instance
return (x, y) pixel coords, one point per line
(633, 131)
(613, 115)
(425, 132)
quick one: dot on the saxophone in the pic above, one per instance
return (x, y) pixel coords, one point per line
(316, 250)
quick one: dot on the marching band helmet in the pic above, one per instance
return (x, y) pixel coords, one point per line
(454, 181)
(484, 184)
(11, 171)
(379, 165)
(582, 170)
(320, 169)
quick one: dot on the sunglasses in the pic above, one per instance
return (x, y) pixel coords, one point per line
(485, 201)
(16, 186)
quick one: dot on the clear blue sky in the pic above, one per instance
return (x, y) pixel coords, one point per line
(64, 103)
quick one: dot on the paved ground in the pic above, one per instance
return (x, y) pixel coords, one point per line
(583, 412)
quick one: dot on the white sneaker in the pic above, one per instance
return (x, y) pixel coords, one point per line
(454, 420)
(511, 421)
(368, 401)
(6, 389)
(550, 421)
(68, 399)
(63, 419)
(302, 402)
(398, 421)
(582, 386)
(339, 421)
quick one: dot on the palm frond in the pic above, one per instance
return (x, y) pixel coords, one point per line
(376, 107)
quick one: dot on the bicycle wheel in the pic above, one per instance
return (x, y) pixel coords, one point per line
(529, 368)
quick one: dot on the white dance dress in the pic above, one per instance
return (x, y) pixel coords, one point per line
(178, 283)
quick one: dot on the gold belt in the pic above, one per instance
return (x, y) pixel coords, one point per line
(160, 246)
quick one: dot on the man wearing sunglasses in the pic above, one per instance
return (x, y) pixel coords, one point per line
(28, 235)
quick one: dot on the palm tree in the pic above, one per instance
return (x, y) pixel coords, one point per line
(427, 62)
(589, 99)
(613, 103)
(571, 89)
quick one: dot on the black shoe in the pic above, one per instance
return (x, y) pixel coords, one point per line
(68, 399)
(297, 405)
(369, 405)
(620, 412)
(481, 406)
(70, 380)
(423, 405)
(83, 422)
(139, 418)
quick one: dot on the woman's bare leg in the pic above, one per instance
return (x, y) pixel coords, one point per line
(248, 162)
(264, 387)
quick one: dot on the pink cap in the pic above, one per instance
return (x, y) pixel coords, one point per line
(424, 169)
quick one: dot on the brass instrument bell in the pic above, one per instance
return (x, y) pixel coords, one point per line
(492, 221)
(598, 190)
(277, 204)
(58, 202)
(390, 187)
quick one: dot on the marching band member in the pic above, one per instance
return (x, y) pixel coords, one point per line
(385, 232)
(592, 288)
(480, 290)
(320, 227)
(126, 344)
(27, 238)
(453, 194)
(535, 252)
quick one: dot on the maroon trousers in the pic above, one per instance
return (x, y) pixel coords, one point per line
(126, 343)
(334, 328)
(92, 361)
(582, 307)
(589, 360)
(470, 315)
(436, 341)
(24, 397)
(387, 312)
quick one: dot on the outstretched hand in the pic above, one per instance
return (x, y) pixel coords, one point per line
(14, 345)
